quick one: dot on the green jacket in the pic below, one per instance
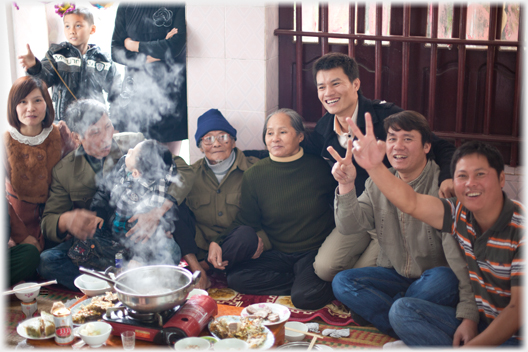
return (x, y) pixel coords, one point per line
(215, 205)
(73, 182)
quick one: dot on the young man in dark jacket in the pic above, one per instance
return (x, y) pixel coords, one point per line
(84, 69)
(336, 76)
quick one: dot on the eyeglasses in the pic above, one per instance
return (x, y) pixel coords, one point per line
(223, 138)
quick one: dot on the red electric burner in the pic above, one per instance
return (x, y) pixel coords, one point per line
(167, 327)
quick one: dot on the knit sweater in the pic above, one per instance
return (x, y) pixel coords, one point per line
(290, 201)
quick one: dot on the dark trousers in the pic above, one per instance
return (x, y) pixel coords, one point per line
(279, 273)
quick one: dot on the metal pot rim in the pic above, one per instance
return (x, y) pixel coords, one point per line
(173, 267)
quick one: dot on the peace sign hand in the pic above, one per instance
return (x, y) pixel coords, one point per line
(368, 151)
(344, 170)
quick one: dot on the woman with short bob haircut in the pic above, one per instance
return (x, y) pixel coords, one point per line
(33, 145)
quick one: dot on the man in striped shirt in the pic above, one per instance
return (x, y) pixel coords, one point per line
(490, 229)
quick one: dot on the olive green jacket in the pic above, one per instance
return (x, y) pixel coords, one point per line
(216, 205)
(73, 182)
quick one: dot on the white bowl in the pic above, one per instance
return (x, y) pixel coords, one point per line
(231, 344)
(92, 283)
(101, 328)
(192, 343)
(196, 292)
(89, 292)
(292, 335)
(27, 295)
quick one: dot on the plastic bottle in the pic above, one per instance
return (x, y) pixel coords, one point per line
(119, 263)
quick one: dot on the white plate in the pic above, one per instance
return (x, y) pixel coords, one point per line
(270, 339)
(282, 311)
(75, 308)
(91, 293)
(21, 329)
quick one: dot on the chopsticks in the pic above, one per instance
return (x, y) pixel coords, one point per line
(303, 332)
(312, 343)
(30, 287)
(315, 336)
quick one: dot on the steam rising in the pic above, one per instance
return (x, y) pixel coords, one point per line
(149, 93)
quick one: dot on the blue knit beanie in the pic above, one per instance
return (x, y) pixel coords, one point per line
(212, 120)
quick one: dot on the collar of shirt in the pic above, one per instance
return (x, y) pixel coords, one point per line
(342, 136)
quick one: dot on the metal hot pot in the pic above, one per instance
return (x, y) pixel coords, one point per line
(152, 288)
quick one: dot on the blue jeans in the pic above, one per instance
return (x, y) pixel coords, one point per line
(421, 323)
(55, 264)
(370, 292)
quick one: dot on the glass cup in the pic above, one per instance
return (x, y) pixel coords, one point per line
(129, 339)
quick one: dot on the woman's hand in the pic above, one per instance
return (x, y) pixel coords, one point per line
(145, 227)
(215, 256)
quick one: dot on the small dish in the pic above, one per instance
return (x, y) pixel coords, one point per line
(91, 292)
(27, 295)
(102, 332)
(21, 330)
(231, 344)
(294, 336)
(268, 343)
(282, 311)
(192, 343)
(196, 292)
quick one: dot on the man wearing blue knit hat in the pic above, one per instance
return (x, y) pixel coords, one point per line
(215, 198)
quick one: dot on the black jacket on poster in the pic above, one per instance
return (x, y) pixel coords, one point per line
(86, 76)
(324, 136)
(154, 95)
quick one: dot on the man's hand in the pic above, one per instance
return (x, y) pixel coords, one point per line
(447, 189)
(344, 170)
(131, 45)
(146, 225)
(171, 33)
(27, 61)
(215, 256)
(260, 249)
(80, 223)
(368, 152)
(465, 332)
(99, 222)
(152, 59)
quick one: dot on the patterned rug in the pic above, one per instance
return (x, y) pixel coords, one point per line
(334, 313)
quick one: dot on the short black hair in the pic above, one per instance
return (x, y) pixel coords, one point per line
(153, 160)
(85, 12)
(409, 120)
(81, 114)
(490, 152)
(333, 60)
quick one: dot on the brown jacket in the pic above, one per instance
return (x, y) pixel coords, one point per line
(216, 205)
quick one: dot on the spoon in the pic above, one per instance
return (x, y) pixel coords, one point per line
(106, 278)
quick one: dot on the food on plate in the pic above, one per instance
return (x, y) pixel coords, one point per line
(249, 330)
(59, 309)
(90, 330)
(41, 327)
(265, 312)
(95, 309)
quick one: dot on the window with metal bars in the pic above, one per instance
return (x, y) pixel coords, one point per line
(423, 57)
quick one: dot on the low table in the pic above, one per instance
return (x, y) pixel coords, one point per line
(115, 341)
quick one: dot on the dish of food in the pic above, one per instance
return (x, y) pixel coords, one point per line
(271, 313)
(250, 330)
(37, 328)
(91, 292)
(93, 308)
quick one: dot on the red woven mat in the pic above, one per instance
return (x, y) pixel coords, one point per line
(334, 313)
